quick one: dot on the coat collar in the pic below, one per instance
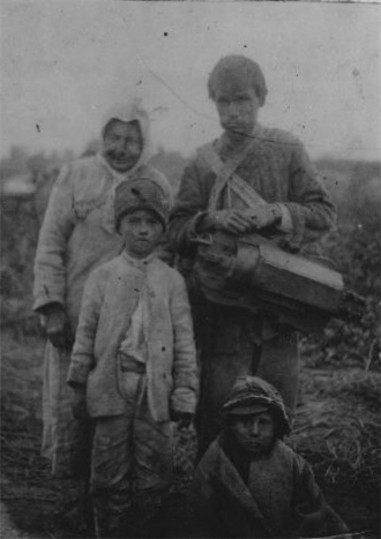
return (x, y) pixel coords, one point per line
(225, 145)
(117, 177)
(233, 481)
(138, 263)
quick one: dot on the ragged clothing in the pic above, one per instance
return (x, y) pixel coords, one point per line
(110, 299)
(129, 487)
(280, 498)
(134, 351)
(134, 345)
(277, 166)
(78, 234)
(276, 169)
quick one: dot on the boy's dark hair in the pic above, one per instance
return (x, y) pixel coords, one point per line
(240, 68)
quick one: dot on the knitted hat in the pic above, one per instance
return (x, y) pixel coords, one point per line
(140, 194)
(236, 72)
(249, 392)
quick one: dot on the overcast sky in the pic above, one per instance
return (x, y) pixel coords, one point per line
(64, 62)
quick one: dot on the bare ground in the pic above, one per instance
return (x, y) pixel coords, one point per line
(337, 429)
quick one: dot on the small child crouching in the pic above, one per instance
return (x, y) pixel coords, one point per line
(251, 484)
(133, 367)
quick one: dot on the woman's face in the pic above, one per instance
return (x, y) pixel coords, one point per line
(122, 145)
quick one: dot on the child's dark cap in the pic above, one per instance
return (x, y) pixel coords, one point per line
(249, 392)
(140, 194)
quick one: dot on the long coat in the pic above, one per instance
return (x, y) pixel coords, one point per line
(77, 234)
(78, 231)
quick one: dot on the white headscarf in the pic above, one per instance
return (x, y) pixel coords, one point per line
(128, 112)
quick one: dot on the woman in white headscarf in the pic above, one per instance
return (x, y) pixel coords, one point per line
(78, 234)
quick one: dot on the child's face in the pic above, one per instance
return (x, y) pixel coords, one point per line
(141, 231)
(254, 433)
(237, 108)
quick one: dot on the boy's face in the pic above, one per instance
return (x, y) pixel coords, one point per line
(122, 145)
(254, 432)
(141, 230)
(237, 108)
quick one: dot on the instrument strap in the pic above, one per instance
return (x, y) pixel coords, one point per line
(226, 177)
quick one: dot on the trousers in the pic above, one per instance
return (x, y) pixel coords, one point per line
(131, 466)
(231, 344)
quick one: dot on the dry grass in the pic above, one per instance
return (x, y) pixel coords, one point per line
(338, 424)
(337, 429)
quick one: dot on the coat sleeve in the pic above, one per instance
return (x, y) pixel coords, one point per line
(312, 211)
(82, 358)
(313, 516)
(184, 371)
(57, 226)
(190, 205)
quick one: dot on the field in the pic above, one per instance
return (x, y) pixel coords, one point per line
(336, 429)
(338, 418)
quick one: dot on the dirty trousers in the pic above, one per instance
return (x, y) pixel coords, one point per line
(131, 465)
(233, 346)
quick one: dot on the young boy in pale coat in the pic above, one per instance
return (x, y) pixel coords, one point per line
(133, 367)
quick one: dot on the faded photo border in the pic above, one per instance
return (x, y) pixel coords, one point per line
(62, 64)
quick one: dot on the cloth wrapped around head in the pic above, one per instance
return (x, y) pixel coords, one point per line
(131, 111)
(249, 392)
(140, 194)
(126, 112)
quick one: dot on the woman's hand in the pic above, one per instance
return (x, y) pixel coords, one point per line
(78, 402)
(58, 327)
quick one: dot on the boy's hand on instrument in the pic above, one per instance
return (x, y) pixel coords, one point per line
(233, 221)
(264, 216)
(78, 402)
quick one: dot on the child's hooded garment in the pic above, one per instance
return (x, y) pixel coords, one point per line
(279, 496)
